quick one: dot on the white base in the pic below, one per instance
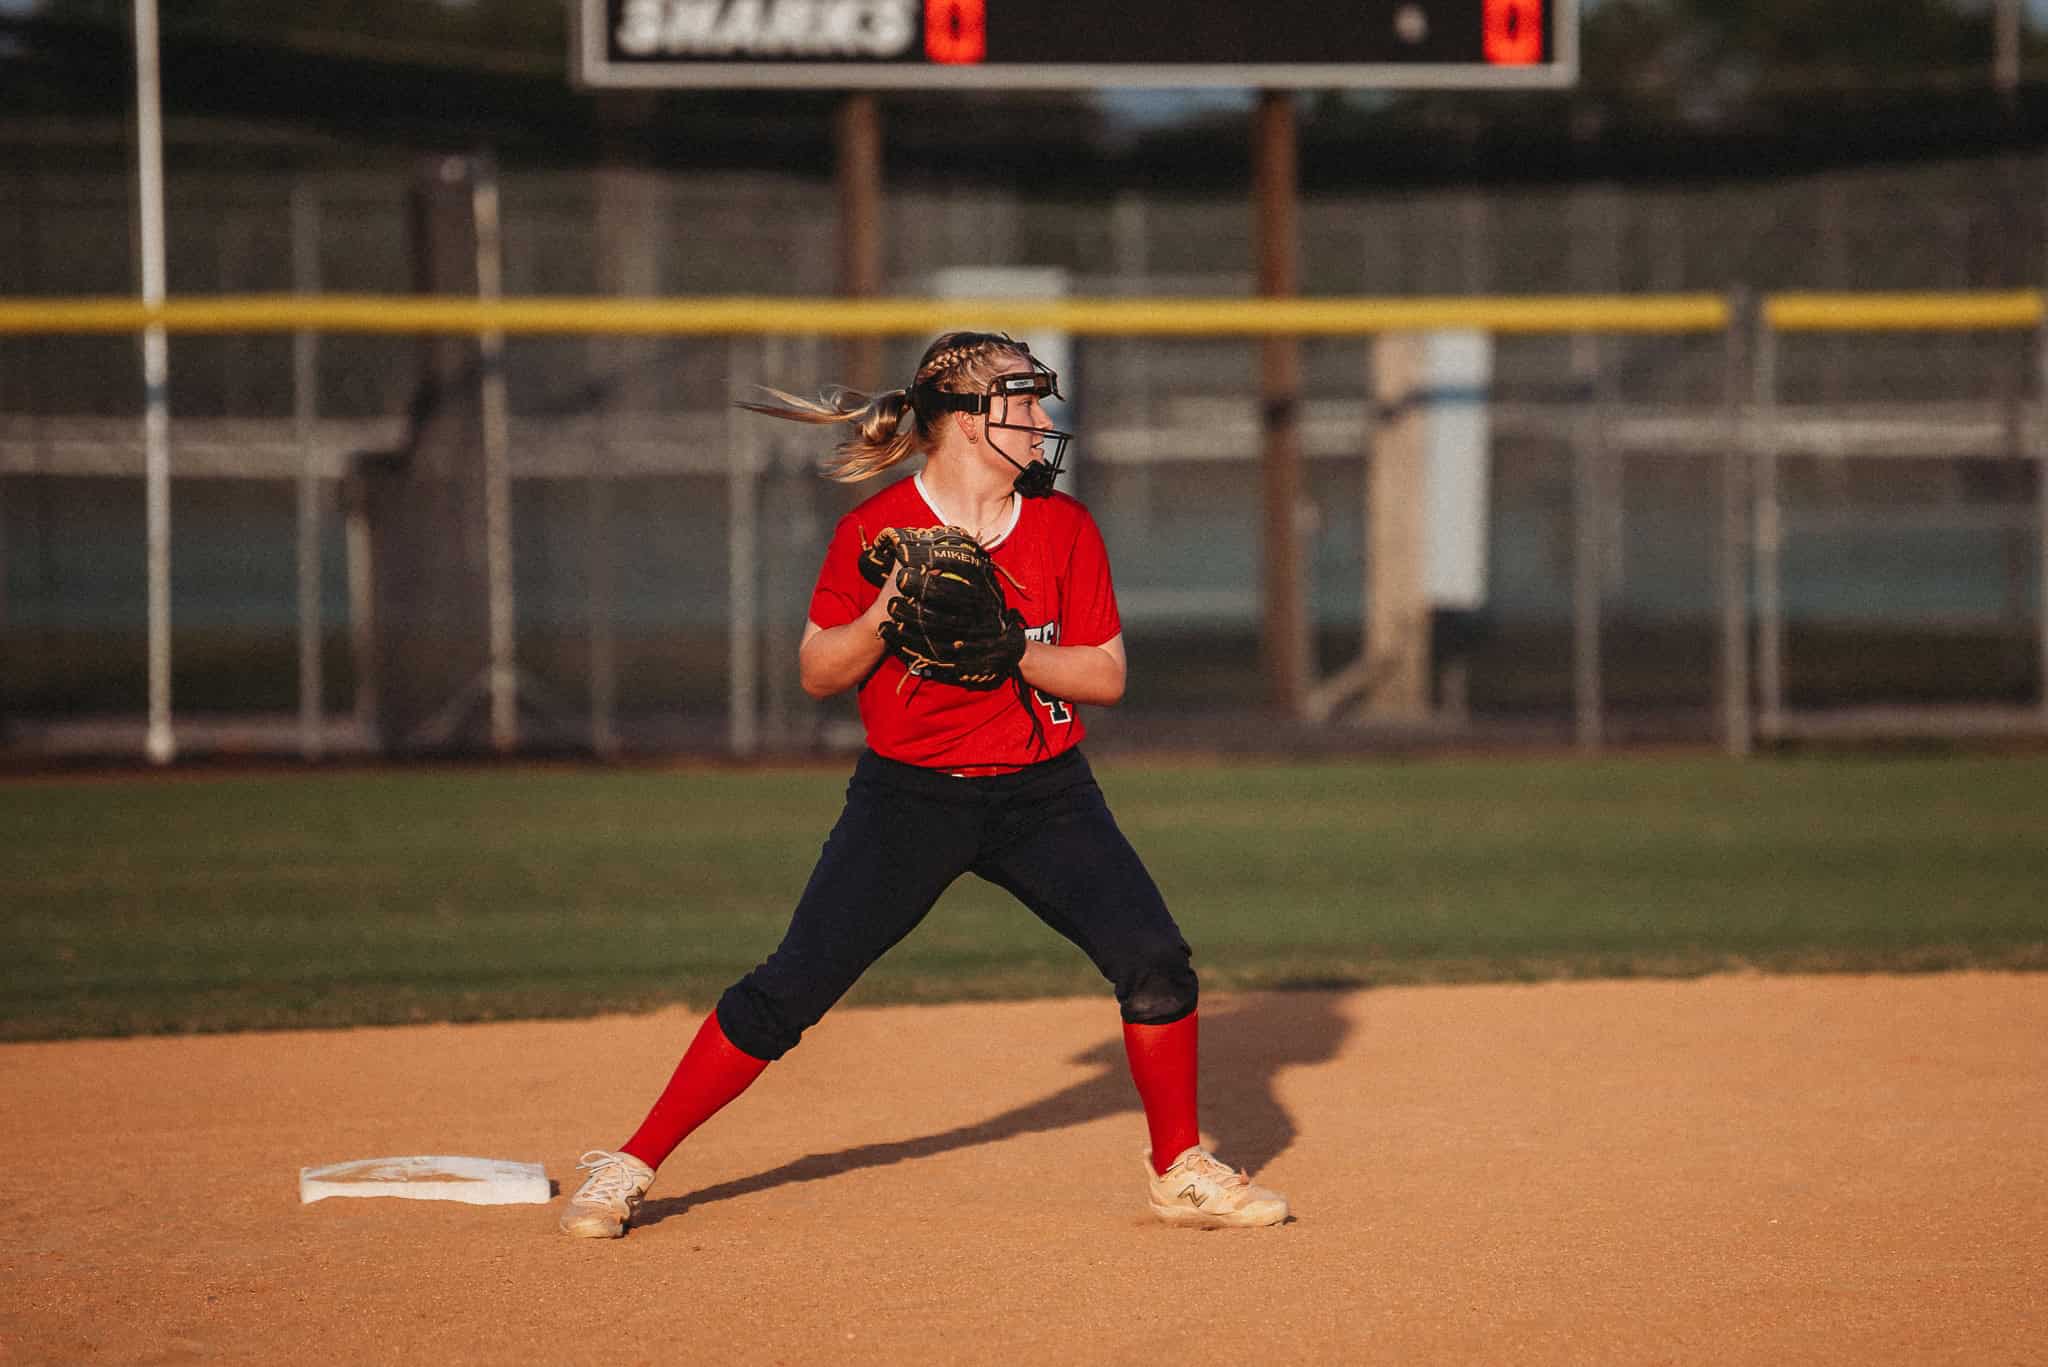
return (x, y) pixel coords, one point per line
(473, 1181)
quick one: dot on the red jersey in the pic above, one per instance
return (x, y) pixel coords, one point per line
(1059, 579)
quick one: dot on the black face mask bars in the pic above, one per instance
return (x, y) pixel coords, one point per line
(1034, 476)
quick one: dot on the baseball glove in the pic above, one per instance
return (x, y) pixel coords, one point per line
(949, 621)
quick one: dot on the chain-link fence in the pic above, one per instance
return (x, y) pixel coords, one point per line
(662, 545)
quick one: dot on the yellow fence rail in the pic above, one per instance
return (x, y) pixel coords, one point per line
(1904, 312)
(1169, 317)
(1181, 317)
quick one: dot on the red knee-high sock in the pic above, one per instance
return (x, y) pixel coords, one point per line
(714, 1070)
(1163, 1065)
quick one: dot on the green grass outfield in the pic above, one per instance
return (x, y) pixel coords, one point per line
(209, 902)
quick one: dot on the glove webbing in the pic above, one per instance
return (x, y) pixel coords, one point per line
(1015, 583)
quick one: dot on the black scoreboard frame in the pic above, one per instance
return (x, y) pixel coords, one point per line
(1158, 44)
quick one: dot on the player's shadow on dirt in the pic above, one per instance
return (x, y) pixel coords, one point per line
(1245, 1045)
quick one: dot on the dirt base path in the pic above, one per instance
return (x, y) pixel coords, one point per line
(1740, 1169)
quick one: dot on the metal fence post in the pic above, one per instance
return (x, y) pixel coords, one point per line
(1286, 643)
(742, 593)
(1596, 241)
(1769, 514)
(1732, 543)
(362, 609)
(160, 742)
(503, 679)
(601, 637)
(2038, 445)
(305, 211)
(1588, 544)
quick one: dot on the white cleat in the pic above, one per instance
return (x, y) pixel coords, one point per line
(604, 1205)
(1201, 1191)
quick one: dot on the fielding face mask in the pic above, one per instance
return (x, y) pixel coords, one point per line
(1034, 475)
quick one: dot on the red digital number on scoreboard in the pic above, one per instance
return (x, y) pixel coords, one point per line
(1513, 32)
(955, 31)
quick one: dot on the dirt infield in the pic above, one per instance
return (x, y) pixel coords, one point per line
(1739, 1169)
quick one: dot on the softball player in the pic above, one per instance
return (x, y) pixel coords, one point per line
(957, 779)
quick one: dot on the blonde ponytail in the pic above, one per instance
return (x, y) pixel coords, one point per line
(885, 427)
(887, 430)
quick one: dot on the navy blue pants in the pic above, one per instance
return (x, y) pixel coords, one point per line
(1044, 833)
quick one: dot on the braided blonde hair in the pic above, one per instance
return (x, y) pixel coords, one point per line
(886, 428)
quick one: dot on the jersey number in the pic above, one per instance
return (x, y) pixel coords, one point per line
(1056, 709)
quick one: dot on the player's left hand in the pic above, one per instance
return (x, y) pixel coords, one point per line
(949, 621)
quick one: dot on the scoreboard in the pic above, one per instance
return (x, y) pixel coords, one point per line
(1052, 44)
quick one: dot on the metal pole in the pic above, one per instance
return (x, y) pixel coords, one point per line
(604, 657)
(504, 673)
(742, 606)
(1731, 560)
(362, 612)
(2039, 448)
(2005, 59)
(857, 132)
(2041, 548)
(1285, 626)
(632, 211)
(305, 408)
(779, 519)
(1588, 549)
(1595, 500)
(1770, 570)
(1130, 258)
(1607, 232)
(161, 744)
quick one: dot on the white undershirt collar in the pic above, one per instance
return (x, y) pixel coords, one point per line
(989, 543)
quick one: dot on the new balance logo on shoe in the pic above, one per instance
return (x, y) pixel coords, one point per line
(1199, 1190)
